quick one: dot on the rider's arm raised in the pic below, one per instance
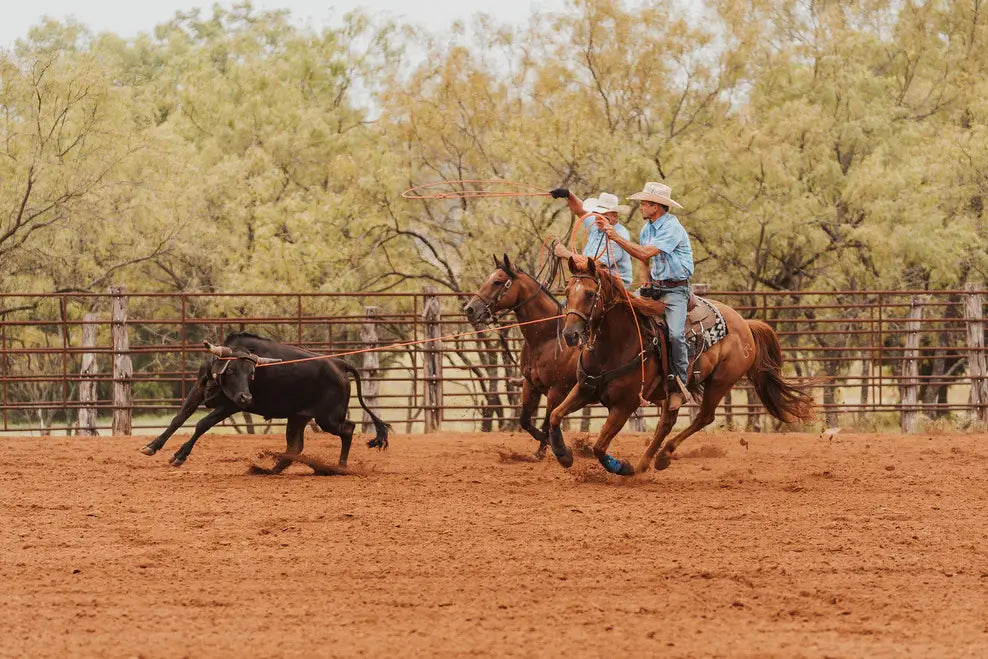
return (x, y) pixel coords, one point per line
(575, 203)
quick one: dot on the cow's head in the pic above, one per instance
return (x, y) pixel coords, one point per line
(234, 370)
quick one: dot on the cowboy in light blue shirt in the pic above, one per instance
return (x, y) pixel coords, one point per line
(594, 212)
(665, 247)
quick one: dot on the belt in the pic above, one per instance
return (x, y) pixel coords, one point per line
(671, 283)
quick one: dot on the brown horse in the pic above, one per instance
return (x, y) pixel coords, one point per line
(601, 317)
(549, 368)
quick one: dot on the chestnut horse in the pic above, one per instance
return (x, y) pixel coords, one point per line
(549, 368)
(602, 318)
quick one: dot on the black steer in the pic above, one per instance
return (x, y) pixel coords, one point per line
(230, 382)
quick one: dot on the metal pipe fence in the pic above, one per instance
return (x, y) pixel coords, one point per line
(870, 356)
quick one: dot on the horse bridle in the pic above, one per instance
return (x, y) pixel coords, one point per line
(490, 304)
(588, 338)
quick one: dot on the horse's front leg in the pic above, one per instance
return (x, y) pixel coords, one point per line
(616, 418)
(552, 401)
(577, 398)
(529, 405)
(666, 422)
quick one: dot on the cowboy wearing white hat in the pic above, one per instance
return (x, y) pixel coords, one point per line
(606, 206)
(665, 243)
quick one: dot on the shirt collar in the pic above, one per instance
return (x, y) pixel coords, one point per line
(655, 223)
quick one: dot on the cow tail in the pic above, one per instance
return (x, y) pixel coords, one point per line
(381, 439)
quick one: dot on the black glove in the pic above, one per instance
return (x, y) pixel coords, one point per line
(560, 193)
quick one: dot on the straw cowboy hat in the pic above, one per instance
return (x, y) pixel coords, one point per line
(605, 203)
(659, 193)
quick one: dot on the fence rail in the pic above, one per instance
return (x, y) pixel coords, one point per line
(122, 362)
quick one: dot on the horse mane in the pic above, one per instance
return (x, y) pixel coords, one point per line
(514, 271)
(612, 290)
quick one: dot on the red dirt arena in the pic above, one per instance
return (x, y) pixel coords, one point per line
(787, 545)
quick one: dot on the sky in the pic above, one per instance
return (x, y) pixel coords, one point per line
(128, 17)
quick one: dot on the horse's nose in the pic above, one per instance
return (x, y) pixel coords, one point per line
(572, 336)
(468, 311)
(244, 399)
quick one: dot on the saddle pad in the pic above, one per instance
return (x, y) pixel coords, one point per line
(705, 326)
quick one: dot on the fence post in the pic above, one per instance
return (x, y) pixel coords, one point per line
(87, 382)
(372, 362)
(976, 359)
(910, 366)
(638, 419)
(123, 368)
(432, 400)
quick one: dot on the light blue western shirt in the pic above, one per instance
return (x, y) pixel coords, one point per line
(675, 258)
(596, 248)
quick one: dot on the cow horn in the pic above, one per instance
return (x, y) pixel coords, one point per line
(267, 360)
(219, 351)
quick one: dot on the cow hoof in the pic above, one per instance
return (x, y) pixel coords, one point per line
(147, 450)
(662, 461)
(176, 461)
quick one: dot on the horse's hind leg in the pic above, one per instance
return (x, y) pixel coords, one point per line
(294, 441)
(712, 395)
(616, 418)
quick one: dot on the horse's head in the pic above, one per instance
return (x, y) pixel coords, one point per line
(498, 293)
(584, 305)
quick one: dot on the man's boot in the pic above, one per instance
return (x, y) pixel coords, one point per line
(677, 393)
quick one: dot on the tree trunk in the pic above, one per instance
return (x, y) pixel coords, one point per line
(87, 382)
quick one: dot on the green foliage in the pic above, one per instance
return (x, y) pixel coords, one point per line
(814, 145)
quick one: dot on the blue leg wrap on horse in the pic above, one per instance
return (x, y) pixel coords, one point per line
(611, 463)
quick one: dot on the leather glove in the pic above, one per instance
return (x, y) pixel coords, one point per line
(560, 193)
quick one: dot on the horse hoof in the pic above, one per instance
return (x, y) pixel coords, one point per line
(662, 461)
(566, 459)
(176, 461)
(147, 450)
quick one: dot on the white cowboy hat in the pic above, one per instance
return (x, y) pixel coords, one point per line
(660, 193)
(605, 203)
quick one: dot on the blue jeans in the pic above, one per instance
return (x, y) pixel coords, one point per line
(676, 299)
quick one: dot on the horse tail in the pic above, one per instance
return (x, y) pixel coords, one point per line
(784, 400)
(381, 439)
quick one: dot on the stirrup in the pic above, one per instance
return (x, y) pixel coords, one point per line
(682, 388)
